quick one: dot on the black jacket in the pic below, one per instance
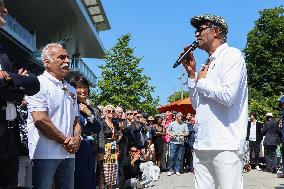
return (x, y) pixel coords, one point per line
(259, 135)
(272, 133)
(136, 135)
(12, 91)
(20, 85)
(127, 171)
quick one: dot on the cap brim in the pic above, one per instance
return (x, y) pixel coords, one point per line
(196, 22)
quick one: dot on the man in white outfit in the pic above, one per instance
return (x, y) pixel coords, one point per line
(218, 93)
(54, 130)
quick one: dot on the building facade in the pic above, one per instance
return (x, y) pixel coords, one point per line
(76, 24)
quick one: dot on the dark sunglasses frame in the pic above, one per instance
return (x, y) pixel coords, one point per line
(201, 29)
(110, 111)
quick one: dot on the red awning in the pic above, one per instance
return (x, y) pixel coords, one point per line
(183, 106)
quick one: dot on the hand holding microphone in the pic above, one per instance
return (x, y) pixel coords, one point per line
(187, 59)
(184, 56)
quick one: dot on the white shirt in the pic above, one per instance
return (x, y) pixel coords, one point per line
(252, 132)
(221, 102)
(61, 108)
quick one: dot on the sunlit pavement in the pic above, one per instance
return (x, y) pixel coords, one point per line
(252, 180)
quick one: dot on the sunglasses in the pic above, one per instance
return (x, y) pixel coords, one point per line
(201, 29)
(110, 111)
(133, 150)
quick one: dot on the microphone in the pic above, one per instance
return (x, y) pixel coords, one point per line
(192, 47)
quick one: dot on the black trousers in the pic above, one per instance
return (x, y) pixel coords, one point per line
(270, 156)
(254, 147)
(188, 157)
(164, 156)
(9, 156)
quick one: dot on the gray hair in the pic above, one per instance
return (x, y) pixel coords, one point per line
(118, 108)
(45, 52)
(179, 113)
(107, 107)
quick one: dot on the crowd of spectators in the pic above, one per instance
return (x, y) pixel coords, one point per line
(115, 142)
(73, 143)
(68, 142)
(52, 136)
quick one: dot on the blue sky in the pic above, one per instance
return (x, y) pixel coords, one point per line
(160, 29)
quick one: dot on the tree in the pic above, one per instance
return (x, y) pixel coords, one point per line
(122, 81)
(261, 104)
(265, 59)
(177, 96)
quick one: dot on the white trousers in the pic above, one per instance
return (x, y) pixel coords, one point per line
(217, 169)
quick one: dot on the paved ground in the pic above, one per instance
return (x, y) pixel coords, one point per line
(252, 180)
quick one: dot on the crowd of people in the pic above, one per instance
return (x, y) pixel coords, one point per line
(66, 142)
(116, 141)
(113, 143)
(52, 136)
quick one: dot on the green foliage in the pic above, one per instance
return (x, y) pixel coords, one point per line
(265, 59)
(177, 96)
(262, 105)
(122, 81)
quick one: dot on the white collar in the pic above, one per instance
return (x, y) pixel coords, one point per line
(53, 79)
(218, 51)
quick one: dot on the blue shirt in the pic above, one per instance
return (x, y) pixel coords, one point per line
(90, 126)
(191, 136)
(177, 129)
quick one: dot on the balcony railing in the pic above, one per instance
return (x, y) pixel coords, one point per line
(18, 32)
(78, 65)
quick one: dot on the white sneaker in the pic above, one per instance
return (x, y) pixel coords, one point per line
(177, 173)
(257, 168)
(170, 173)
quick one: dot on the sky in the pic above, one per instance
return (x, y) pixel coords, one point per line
(160, 29)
